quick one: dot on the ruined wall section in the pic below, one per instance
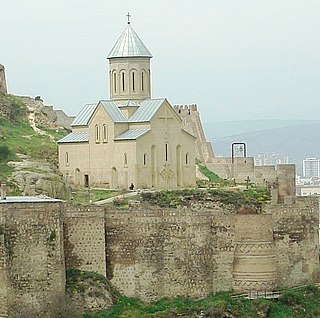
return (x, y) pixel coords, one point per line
(84, 239)
(34, 255)
(3, 269)
(3, 82)
(192, 123)
(153, 254)
(296, 239)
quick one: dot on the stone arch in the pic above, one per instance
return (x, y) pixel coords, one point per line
(77, 176)
(122, 81)
(114, 85)
(143, 78)
(133, 76)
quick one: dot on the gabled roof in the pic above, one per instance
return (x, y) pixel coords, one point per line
(129, 45)
(144, 113)
(132, 134)
(129, 103)
(81, 136)
(146, 110)
(84, 116)
(112, 108)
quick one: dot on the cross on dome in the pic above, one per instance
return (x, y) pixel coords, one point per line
(128, 16)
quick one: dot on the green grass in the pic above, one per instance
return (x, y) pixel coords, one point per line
(304, 303)
(55, 133)
(84, 197)
(175, 198)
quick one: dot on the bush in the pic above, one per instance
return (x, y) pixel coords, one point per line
(4, 152)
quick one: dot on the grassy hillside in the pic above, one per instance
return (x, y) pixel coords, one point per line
(303, 303)
(18, 140)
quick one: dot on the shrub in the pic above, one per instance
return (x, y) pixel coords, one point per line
(4, 152)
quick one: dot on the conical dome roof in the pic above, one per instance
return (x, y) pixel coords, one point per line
(129, 45)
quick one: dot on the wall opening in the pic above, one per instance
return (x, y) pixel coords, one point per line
(86, 181)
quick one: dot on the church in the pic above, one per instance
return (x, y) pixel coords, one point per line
(130, 138)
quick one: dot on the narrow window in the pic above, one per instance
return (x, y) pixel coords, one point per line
(97, 133)
(187, 158)
(142, 81)
(145, 159)
(166, 152)
(105, 133)
(67, 159)
(125, 159)
(123, 81)
(114, 81)
(133, 88)
(86, 180)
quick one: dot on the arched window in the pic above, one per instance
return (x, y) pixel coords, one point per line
(166, 151)
(187, 158)
(67, 159)
(105, 133)
(133, 79)
(144, 159)
(125, 159)
(123, 81)
(97, 133)
(114, 81)
(142, 80)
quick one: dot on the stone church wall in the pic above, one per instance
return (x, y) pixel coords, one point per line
(31, 256)
(84, 239)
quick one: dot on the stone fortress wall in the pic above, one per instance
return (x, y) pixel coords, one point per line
(152, 252)
(32, 269)
(3, 82)
(192, 123)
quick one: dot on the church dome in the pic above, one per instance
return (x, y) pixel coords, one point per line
(129, 45)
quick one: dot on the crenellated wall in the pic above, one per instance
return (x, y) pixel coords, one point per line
(192, 123)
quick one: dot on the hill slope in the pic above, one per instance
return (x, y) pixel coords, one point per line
(28, 152)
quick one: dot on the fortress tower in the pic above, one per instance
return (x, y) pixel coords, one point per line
(129, 68)
(3, 83)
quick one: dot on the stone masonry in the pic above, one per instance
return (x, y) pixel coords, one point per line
(32, 269)
(3, 82)
(151, 253)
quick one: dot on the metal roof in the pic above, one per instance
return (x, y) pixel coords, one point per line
(129, 103)
(26, 199)
(84, 116)
(114, 112)
(81, 136)
(132, 134)
(146, 110)
(129, 45)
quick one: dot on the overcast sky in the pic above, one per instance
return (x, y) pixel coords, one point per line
(237, 59)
